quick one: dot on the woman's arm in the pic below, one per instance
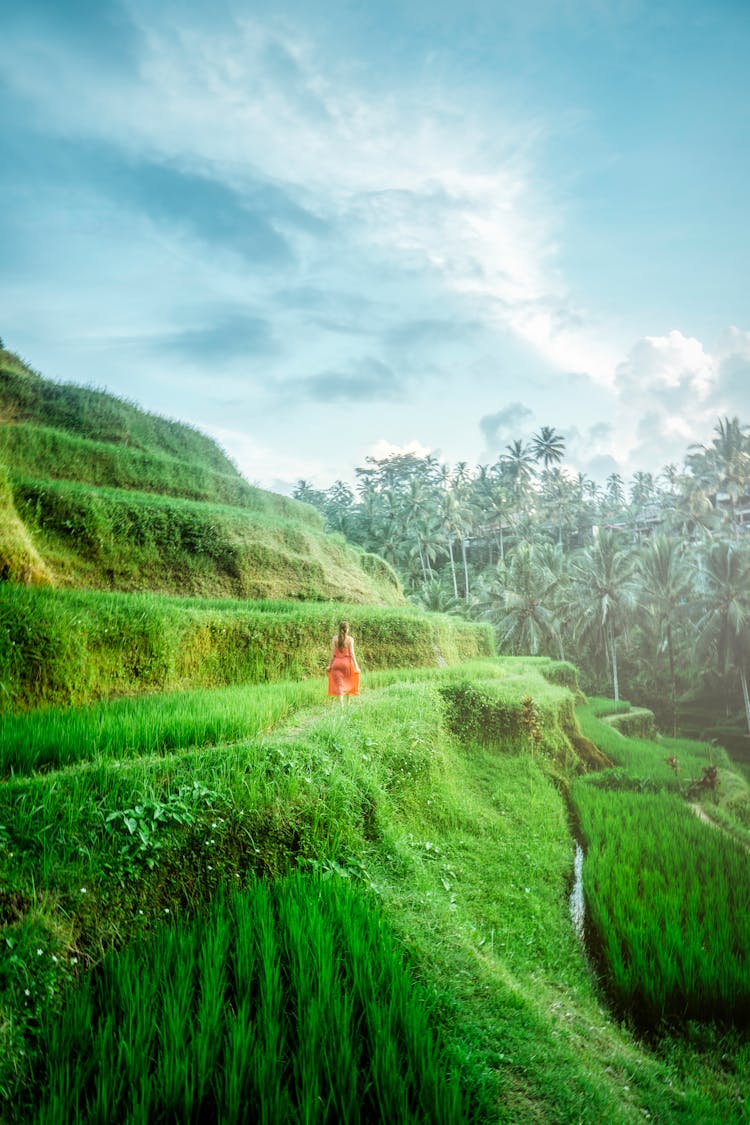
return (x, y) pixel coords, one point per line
(351, 650)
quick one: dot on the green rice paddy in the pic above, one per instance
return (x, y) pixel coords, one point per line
(165, 893)
(288, 1001)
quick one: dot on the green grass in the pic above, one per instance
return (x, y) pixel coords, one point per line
(669, 897)
(19, 559)
(466, 848)
(26, 397)
(129, 540)
(669, 901)
(673, 765)
(40, 452)
(642, 761)
(58, 737)
(70, 647)
(97, 494)
(288, 1000)
(54, 737)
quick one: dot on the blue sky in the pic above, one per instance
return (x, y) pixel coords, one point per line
(322, 231)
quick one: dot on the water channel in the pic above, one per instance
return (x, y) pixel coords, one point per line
(577, 905)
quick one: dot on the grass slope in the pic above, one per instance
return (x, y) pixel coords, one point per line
(98, 494)
(668, 896)
(461, 851)
(61, 647)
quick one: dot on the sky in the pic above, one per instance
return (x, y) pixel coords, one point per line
(326, 231)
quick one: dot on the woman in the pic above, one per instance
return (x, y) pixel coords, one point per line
(343, 670)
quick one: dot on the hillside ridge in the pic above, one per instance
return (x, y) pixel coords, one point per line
(96, 493)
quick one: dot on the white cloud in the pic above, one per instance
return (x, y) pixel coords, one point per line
(422, 193)
(670, 391)
(277, 470)
(381, 449)
(670, 366)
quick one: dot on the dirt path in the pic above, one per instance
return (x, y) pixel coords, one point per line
(701, 813)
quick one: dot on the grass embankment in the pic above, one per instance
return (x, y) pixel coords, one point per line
(61, 647)
(97, 494)
(107, 538)
(669, 898)
(26, 397)
(462, 851)
(42, 453)
(55, 737)
(673, 765)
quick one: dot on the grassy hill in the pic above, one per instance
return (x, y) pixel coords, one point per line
(134, 557)
(218, 890)
(242, 897)
(98, 494)
(69, 646)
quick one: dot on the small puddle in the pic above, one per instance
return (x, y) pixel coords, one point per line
(577, 905)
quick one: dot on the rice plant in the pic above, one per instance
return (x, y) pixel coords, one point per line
(288, 1002)
(669, 900)
(647, 760)
(154, 724)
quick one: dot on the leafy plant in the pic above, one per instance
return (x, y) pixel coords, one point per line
(143, 825)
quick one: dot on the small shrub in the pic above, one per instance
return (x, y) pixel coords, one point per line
(475, 716)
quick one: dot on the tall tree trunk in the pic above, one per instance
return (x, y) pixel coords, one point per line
(466, 567)
(430, 571)
(613, 653)
(745, 696)
(672, 681)
(421, 560)
(453, 567)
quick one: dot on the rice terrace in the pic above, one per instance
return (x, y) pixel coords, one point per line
(226, 898)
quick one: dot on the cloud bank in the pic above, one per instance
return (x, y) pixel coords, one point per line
(313, 218)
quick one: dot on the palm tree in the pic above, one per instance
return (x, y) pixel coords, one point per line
(642, 489)
(548, 446)
(663, 595)
(308, 494)
(412, 514)
(526, 619)
(433, 596)
(517, 465)
(449, 515)
(462, 475)
(463, 515)
(724, 625)
(692, 514)
(728, 462)
(670, 475)
(339, 508)
(563, 506)
(614, 493)
(491, 503)
(602, 590)
(465, 527)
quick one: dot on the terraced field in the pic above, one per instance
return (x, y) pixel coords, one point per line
(282, 872)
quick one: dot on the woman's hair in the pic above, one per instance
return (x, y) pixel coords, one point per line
(343, 633)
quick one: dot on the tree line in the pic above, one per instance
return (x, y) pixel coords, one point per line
(645, 585)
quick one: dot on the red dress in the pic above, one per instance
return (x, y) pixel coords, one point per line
(343, 679)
